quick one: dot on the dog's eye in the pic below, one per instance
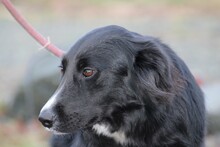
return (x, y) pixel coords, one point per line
(63, 65)
(87, 72)
(61, 68)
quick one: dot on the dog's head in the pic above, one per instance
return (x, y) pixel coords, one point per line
(111, 76)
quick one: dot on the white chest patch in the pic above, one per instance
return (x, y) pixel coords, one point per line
(103, 129)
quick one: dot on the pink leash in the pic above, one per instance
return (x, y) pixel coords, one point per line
(37, 36)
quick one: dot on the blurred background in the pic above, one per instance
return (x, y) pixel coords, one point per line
(30, 74)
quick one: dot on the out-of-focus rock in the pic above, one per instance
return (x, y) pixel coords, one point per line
(40, 81)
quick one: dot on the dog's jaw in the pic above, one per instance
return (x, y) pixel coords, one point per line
(118, 136)
(55, 132)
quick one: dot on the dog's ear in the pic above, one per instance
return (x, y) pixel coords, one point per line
(153, 68)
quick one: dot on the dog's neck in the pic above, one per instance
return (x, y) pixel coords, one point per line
(95, 138)
(91, 139)
(118, 136)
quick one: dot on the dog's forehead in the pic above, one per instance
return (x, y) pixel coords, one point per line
(90, 42)
(97, 36)
(105, 33)
(101, 42)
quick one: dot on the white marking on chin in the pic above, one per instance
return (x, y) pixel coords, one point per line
(118, 136)
(55, 132)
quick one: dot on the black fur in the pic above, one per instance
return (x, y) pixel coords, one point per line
(139, 86)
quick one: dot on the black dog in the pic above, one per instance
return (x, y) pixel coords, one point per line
(122, 89)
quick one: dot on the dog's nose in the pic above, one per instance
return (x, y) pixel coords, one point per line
(46, 118)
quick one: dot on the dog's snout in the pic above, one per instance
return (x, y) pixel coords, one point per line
(46, 118)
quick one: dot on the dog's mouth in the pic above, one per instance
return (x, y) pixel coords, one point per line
(71, 125)
(63, 123)
(56, 132)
